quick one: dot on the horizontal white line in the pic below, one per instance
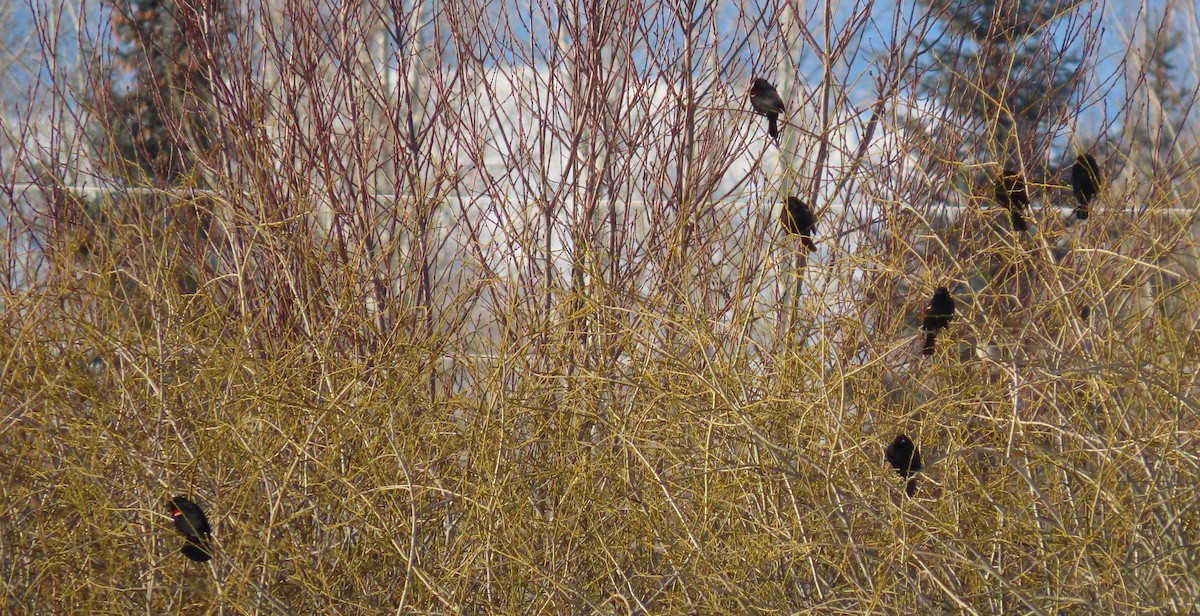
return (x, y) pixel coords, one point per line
(133, 190)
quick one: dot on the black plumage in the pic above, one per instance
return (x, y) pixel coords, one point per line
(937, 317)
(1012, 194)
(1085, 183)
(191, 522)
(799, 219)
(904, 456)
(766, 101)
(196, 550)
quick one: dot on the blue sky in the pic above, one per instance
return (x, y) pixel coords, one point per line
(753, 38)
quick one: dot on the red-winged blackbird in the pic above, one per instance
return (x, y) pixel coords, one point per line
(765, 101)
(1012, 194)
(193, 525)
(903, 455)
(1085, 183)
(799, 219)
(937, 317)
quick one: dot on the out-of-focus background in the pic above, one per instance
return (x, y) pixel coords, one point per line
(485, 307)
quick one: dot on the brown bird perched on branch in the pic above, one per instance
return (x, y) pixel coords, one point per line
(191, 522)
(799, 219)
(937, 317)
(1012, 194)
(904, 456)
(765, 101)
(1085, 183)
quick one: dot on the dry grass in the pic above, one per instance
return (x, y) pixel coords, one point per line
(503, 394)
(700, 471)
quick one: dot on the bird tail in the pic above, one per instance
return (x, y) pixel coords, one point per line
(911, 487)
(808, 242)
(196, 549)
(773, 126)
(929, 339)
(1018, 221)
(1081, 212)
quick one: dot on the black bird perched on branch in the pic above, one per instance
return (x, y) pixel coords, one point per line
(1012, 194)
(903, 455)
(765, 101)
(937, 317)
(799, 219)
(191, 522)
(1085, 183)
